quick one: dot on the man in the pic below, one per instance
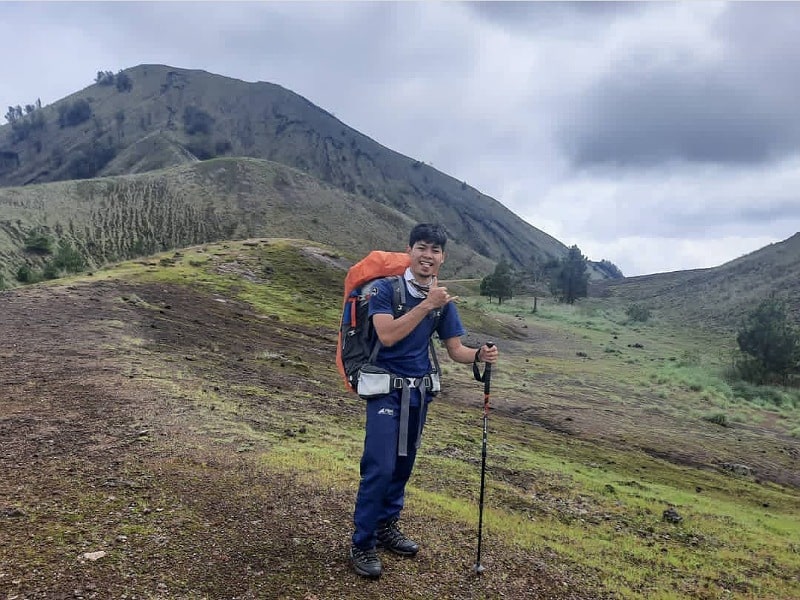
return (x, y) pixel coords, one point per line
(395, 421)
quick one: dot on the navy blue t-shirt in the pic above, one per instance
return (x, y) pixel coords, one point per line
(409, 357)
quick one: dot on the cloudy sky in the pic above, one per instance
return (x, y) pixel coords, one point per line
(660, 136)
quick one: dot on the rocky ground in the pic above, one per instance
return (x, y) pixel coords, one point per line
(112, 487)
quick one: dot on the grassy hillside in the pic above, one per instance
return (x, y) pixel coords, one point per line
(714, 298)
(188, 437)
(171, 116)
(114, 218)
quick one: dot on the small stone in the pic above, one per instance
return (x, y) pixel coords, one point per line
(671, 515)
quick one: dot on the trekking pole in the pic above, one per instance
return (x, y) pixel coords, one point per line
(486, 379)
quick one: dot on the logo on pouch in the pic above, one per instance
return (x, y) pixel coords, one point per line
(386, 411)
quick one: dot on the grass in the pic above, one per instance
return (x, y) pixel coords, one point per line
(604, 517)
(592, 502)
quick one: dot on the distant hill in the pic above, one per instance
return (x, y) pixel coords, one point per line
(116, 218)
(718, 297)
(153, 117)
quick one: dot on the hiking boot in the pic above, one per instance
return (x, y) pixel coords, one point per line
(391, 538)
(366, 562)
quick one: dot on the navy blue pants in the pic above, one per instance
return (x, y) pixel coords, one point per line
(384, 474)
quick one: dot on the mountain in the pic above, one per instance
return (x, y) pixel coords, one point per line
(718, 297)
(153, 117)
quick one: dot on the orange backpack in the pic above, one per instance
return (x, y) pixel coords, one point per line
(356, 337)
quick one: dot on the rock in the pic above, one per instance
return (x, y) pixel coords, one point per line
(671, 515)
(738, 469)
(93, 556)
(11, 513)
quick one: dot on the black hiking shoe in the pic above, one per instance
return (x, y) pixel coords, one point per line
(366, 562)
(391, 538)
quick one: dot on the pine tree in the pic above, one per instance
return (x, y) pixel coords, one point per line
(571, 280)
(500, 283)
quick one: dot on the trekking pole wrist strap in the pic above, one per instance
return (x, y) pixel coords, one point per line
(487, 371)
(476, 372)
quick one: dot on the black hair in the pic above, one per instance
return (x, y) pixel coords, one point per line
(428, 232)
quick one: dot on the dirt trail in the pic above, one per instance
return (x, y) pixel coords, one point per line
(112, 488)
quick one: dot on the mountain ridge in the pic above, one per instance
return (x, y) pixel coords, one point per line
(718, 297)
(172, 116)
(169, 122)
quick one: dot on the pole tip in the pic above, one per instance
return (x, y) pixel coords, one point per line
(478, 569)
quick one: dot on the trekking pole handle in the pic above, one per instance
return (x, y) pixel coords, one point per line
(487, 377)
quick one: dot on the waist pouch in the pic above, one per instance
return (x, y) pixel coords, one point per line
(373, 382)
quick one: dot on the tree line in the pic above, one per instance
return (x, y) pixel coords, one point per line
(566, 279)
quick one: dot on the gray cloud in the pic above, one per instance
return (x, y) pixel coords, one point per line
(657, 135)
(534, 15)
(639, 119)
(736, 107)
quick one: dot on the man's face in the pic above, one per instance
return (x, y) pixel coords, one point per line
(426, 258)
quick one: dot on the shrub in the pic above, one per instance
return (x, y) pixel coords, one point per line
(73, 114)
(104, 78)
(718, 418)
(202, 148)
(124, 82)
(50, 271)
(196, 120)
(770, 339)
(67, 258)
(25, 275)
(23, 127)
(87, 163)
(766, 395)
(38, 242)
(638, 313)
(610, 269)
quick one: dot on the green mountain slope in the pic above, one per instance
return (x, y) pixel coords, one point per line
(114, 218)
(719, 297)
(172, 117)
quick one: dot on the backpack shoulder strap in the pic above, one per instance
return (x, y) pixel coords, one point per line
(399, 306)
(399, 287)
(436, 318)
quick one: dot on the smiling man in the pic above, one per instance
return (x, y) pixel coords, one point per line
(395, 420)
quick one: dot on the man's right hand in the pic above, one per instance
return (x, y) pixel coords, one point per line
(438, 295)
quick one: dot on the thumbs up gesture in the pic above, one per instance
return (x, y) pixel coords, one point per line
(438, 295)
